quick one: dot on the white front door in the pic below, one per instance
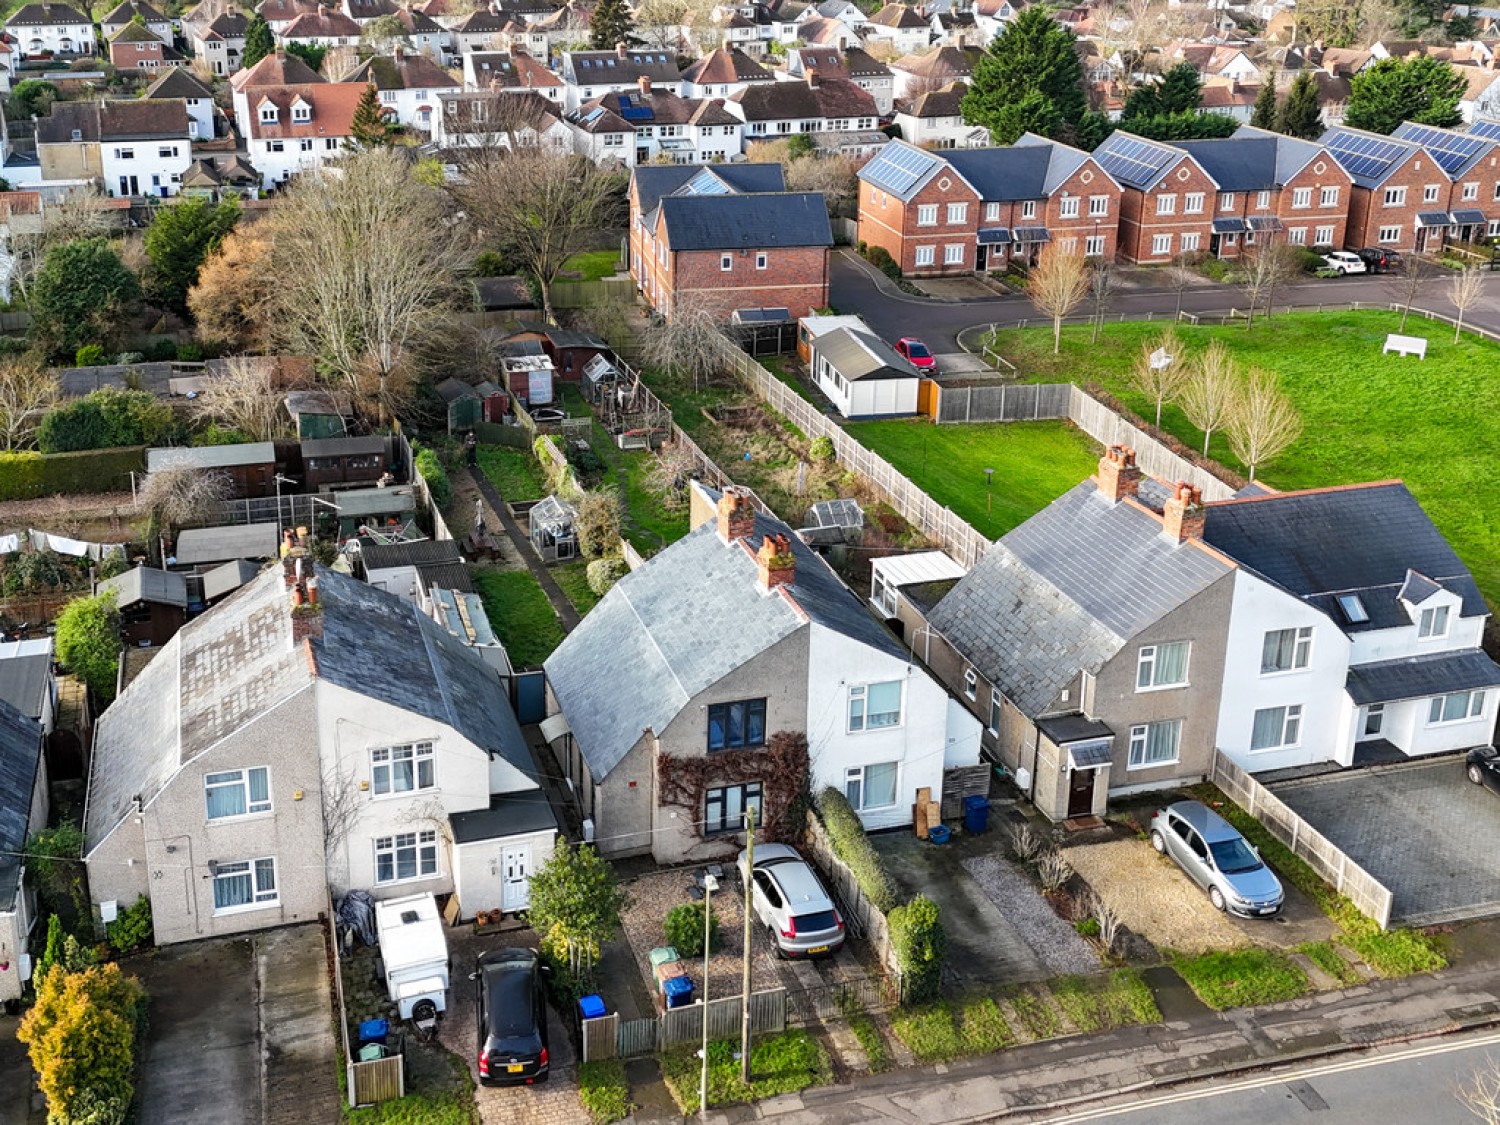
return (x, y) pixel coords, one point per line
(515, 878)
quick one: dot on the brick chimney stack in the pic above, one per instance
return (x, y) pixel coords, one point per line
(620, 50)
(302, 584)
(1183, 517)
(644, 82)
(1118, 476)
(775, 563)
(736, 515)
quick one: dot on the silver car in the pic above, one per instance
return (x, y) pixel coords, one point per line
(791, 903)
(1217, 858)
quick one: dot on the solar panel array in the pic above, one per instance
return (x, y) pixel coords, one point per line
(898, 168)
(1450, 149)
(1132, 160)
(1486, 127)
(1364, 157)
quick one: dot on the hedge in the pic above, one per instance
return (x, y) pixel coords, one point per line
(919, 942)
(847, 835)
(26, 476)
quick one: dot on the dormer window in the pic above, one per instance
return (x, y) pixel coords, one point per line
(1434, 622)
(301, 111)
(269, 114)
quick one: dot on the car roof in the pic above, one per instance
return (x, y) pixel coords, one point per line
(799, 883)
(1209, 824)
(514, 958)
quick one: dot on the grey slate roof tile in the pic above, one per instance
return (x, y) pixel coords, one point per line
(1415, 677)
(20, 751)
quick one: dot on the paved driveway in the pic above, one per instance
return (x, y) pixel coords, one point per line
(1422, 829)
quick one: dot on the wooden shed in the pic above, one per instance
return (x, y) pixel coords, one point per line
(251, 466)
(344, 462)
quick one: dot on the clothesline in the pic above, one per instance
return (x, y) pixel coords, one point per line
(59, 544)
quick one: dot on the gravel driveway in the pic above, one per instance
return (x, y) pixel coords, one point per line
(1151, 895)
(1059, 946)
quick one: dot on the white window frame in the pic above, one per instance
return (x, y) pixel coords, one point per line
(1093, 246)
(971, 683)
(762, 260)
(857, 703)
(927, 214)
(1148, 660)
(1068, 208)
(1301, 650)
(1140, 741)
(726, 262)
(855, 781)
(1323, 236)
(237, 779)
(1431, 192)
(1473, 708)
(383, 759)
(1098, 206)
(1192, 203)
(1226, 201)
(925, 255)
(1328, 196)
(422, 844)
(1432, 625)
(1390, 234)
(261, 897)
(1469, 192)
(953, 254)
(1028, 209)
(1296, 236)
(995, 708)
(1374, 719)
(1395, 197)
(1166, 203)
(1301, 197)
(1290, 728)
(991, 212)
(1262, 200)
(1161, 245)
(1189, 242)
(958, 213)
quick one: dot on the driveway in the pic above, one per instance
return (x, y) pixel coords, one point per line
(15, 1079)
(1420, 828)
(240, 1029)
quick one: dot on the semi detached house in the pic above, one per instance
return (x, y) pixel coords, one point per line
(685, 684)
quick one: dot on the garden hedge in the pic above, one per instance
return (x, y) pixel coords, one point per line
(847, 835)
(26, 476)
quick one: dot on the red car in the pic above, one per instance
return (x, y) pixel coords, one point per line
(915, 352)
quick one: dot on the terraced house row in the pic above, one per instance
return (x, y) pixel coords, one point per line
(1146, 202)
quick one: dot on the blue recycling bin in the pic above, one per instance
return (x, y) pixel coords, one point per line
(976, 814)
(677, 991)
(591, 1007)
(373, 1031)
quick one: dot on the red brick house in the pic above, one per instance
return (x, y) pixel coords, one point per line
(963, 210)
(1472, 161)
(731, 250)
(1168, 198)
(135, 48)
(1273, 188)
(1400, 196)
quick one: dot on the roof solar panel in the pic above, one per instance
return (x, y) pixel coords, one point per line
(1452, 150)
(897, 168)
(1486, 127)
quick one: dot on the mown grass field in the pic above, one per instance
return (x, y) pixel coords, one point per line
(1434, 423)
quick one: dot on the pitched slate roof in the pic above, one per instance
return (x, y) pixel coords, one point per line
(902, 169)
(229, 25)
(147, 584)
(1417, 677)
(724, 66)
(46, 15)
(128, 10)
(657, 639)
(1033, 168)
(179, 82)
(746, 222)
(1456, 152)
(26, 675)
(20, 753)
(1360, 539)
(597, 68)
(234, 663)
(860, 355)
(1252, 159)
(1137, 162)
(653, 181)
(1066, 590)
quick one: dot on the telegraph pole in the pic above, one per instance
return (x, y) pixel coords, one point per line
(745, 983)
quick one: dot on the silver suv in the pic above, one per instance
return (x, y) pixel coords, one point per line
(1217, 858)
(791, 903)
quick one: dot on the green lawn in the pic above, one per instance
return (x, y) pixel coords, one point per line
(779, 1064)
(520, 614)
(1242, 978)
(776, 365)
(591, 265)
(1034, 463)
(514, 472)
(573, 577)
(1434, 423)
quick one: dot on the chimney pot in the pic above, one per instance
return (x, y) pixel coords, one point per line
(1183, 517)
(775, 563)
(1118, 475)
(736, 515)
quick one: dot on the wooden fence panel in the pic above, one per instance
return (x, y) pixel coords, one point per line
(725, 1016)
(1108, 428)
(637, 1037)
(600, 1037)
(378, 1080)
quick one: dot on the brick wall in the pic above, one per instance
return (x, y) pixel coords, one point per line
(1322, 173)
(794, 278)
(888, 222)
(1142, 221)
(1371, 212)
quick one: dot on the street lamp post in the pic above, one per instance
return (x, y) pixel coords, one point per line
(710, 885)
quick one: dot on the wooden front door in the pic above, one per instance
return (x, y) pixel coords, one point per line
(1081, 793)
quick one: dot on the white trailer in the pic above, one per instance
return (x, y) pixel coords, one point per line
(415, 955)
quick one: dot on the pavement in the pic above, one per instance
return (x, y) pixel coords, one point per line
(1421, 828)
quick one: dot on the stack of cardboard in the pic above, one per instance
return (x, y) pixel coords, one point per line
(926, 814)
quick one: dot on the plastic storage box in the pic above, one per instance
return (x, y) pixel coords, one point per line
(939, 833)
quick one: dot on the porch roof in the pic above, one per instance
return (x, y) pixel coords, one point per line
(1414, 677)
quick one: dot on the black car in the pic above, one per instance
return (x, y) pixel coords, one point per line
(511, 1017)
(1379, 260)
(1484, 767)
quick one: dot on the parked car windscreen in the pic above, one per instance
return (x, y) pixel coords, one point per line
(814, 923)
(918, 351)
(1233, 856)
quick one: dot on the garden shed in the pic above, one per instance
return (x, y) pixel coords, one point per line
(251, 465)
(862, 375)
(465, 406)
(552, 531)
(344, 461)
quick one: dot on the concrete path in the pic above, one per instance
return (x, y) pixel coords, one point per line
(16, 1099)
(296, 1027)
(560, 603)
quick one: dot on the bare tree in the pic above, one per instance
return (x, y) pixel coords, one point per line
(1464, 290)
(1209, 392)
(659, 23)
(1104, 280)
(1409, 282)
(1481, 1094)
(1265, 267)
(667, 478)
(233, 300)
(692, 343)
(1179, 277)
(542, 204)
(367, 265)
(248, 397)
(1262, 421)
(833, 175)
(1057, 284)
(179, 493)
(1160, 372)
(27, 392)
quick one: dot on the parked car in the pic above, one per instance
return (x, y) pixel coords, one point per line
(1483, 767)
(1379, 260)
(1217, 858)
(791, 903)
(548, 415)
(1345, 262)
(511, 1012)
(916, 353)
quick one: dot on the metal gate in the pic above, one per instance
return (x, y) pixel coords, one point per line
(840, 999)
(531, 696)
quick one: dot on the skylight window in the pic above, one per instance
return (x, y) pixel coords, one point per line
(1354, 609)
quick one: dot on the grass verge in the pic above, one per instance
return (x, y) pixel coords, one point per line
(513, 472)
(870, 1041)
(781, 1064)
(591, 265)
(604, 1091)
(519, 612)
(948, 1030)
(1242, 978)
(1101, 1003)
(1325, 955)
(1037, 1016)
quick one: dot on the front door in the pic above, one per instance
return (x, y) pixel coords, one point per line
(1081, 793)
(515, 878)
(981, 257)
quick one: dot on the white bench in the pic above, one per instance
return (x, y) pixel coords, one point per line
(1405, 345)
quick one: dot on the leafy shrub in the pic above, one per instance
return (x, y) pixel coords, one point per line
(105, 419)
(597, 524)
(125, 359)
(1309, 261)
(587, 465)
(432, 471)
(131, 928)
(1215, 269)
(162, 351)
(684, 929)
(603, 1090)
(821, 450)
(1087, 927)
(191, 352)
(880, 258)
(25, 476)
(88, 642)
(919, 942)
(850, 844)
(604, 573)
(90, 355)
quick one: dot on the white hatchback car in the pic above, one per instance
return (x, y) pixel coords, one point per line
(1345, 262)
(791, 903)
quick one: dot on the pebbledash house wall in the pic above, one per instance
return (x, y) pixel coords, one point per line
(164, 851)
